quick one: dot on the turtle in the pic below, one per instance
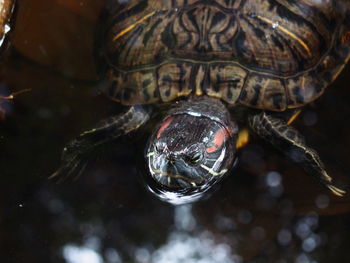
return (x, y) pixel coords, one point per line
(208, 66)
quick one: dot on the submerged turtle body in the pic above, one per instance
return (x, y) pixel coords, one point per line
(265, 54)
(209, 56)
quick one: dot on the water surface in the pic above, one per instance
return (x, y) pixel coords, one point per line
(268, 210)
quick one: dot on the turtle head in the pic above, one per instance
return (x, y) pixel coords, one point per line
(190, 151)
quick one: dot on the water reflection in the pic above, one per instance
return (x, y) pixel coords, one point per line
(322, 201)
(176, 198)
(188, 240)
(182, 196)
(84, 254)
(179, 197)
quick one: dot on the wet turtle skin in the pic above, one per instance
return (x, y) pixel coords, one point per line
(206, 59)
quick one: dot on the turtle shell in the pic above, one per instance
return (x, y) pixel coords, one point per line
(265, 54)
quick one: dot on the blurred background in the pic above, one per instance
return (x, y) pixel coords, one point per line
(267, 210)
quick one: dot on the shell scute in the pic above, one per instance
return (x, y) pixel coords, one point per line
(264, 92)
(133, 87)
(226, 81)
(304, 89)
(174, 79)
(266, 54)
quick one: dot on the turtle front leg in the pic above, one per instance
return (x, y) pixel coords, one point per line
(288, 140)
(77, 153)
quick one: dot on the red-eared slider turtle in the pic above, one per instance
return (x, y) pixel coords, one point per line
(206, 60)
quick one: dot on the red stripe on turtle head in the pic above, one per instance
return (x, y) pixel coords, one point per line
(219, 138)
(164, 126)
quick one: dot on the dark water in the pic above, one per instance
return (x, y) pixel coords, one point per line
(268, 210)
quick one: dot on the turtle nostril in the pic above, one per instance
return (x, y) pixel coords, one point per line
(170, 158)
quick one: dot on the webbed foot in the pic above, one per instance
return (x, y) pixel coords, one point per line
(288, 140)
(77, 153)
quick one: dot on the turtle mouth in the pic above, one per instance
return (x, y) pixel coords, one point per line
(176, 180)
(174, 174)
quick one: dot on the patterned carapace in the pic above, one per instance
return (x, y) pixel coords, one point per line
(266, 54)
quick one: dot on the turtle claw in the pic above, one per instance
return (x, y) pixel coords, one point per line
(73, 163)
(328, 182)
(335, 190)
(80, 151)
(72, 171)
(283, 136)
